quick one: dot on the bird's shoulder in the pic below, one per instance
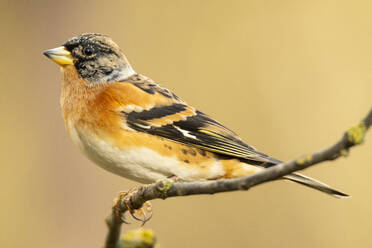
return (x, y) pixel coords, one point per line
(148, 86)
(137, 92)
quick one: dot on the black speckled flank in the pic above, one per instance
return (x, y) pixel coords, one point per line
(192, 152)
(168, 146)
(202, 152)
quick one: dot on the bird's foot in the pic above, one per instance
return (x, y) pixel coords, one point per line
(142, 214)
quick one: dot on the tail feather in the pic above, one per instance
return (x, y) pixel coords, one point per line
(312, 183)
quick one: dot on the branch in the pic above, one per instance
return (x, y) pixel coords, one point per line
(165, 188)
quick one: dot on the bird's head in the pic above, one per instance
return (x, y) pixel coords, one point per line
(96, 58)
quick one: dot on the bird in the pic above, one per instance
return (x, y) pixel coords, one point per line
(131, 126)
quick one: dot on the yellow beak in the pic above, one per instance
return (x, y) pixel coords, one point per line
(60, 55)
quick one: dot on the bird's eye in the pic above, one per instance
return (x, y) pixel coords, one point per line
(88, 51)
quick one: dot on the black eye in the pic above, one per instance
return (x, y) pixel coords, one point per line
(88, 51)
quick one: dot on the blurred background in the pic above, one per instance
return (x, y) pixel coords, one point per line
(288, 76)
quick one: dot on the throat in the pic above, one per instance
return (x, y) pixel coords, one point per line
(77, 94)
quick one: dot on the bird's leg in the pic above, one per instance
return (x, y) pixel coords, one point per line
(142, 214)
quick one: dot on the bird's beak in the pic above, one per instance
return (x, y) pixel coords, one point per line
(60, 55)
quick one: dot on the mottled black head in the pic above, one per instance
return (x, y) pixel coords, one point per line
(96, 57)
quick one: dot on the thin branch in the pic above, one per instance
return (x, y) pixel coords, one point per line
(114, 223)
(166, 188)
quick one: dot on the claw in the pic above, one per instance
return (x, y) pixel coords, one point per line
(116, 207)
(143, 214)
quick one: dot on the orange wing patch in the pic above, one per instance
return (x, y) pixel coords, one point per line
(170, 119)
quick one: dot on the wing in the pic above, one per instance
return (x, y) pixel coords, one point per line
(180, 122)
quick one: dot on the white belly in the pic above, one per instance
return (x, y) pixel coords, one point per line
(139, 164)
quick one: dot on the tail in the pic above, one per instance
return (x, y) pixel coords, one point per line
(312, 183)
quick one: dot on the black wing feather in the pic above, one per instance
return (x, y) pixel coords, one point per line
(198, 130)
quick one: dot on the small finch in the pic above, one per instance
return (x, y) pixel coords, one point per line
(135, 128)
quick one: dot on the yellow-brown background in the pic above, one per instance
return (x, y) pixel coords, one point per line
(288, 76)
